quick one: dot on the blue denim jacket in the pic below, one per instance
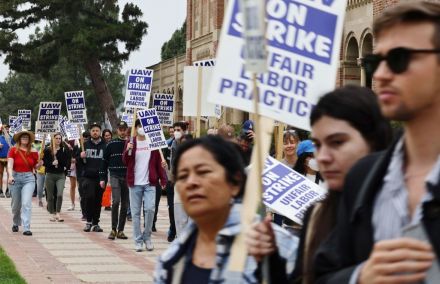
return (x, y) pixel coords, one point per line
(5, 149)
(175, 256)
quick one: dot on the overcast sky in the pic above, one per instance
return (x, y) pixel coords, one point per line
(163, 18)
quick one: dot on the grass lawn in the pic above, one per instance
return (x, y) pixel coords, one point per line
(8, 274)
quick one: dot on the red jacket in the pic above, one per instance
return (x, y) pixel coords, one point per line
(155, 170)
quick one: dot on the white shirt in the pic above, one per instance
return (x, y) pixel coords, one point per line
(142, 160)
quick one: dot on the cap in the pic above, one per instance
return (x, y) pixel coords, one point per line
(248, 125)
(122, 124)
(305, 146)
(95, 124)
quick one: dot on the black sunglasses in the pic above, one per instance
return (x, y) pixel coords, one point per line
(397, 59)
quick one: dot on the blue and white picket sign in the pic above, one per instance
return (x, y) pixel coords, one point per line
(153, 131)
(11, 119)
(138, 88)
(128, 118)
(62, 121)
(17, 125)
(164, 105)
(288, 192)
(48, 115)
(303, 40)
(71, 130)
(26, 116)
(76, 107)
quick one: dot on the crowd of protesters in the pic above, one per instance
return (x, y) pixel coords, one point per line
(379, 222)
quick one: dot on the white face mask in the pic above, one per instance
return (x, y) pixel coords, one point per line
(313, 164)
(140, 131)
(177, 135)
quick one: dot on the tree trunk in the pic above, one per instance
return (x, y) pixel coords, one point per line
(102, 92)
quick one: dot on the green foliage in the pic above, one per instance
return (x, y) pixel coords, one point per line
(176, 45)
(75, 30)
(8, 273)
(25, 91)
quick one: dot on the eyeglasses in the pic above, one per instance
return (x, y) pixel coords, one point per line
(397, 59)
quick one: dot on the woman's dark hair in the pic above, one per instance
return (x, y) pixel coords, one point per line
(357, 106)
(224, 152)
(106, 131)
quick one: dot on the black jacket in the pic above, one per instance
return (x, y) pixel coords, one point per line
(353, 238)
(94, 154)
(63, 156)
(112, 160)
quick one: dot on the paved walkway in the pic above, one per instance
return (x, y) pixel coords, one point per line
(63, 253)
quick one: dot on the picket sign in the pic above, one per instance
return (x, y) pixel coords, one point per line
(288, 192)
(48, 115)
(26, 116)
(138, 88)
(164, 105)
(303, 42)
(152, 128)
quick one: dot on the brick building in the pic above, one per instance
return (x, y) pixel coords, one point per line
(204, 21)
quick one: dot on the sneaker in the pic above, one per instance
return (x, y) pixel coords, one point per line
(83, 218)
(2, 195)
(154, 228)
(138, 247)
(8, 194)
(40, 203)
(53, 218)
(112, 235)
(14, 228)
(149, 245)
(97, 229)
(129, 218)
(88, 227)
(27, 233)
(71, 208)
(121, 235)
(170, 238)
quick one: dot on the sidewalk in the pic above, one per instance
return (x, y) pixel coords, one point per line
(63, 253)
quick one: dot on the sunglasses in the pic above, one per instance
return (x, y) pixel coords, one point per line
(397, 59)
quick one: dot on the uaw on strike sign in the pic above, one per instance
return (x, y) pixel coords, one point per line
(138, 89)
(47, 120)
(303, 40)
(76, 107)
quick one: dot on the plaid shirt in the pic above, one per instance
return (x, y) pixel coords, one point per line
(171, 263)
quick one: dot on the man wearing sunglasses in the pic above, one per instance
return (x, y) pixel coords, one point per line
(388, 227)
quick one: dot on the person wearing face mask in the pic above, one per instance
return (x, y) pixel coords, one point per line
(90, 160)
(306, 163)
(180, 216)
(144, 172)
(346, 125)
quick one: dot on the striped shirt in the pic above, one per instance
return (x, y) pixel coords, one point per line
(390, 211)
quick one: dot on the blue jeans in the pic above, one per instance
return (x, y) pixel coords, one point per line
(147, 194)
(40, 185)
(21, 192)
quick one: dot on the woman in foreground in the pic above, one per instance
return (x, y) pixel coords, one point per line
(209, 178)
(346, 126)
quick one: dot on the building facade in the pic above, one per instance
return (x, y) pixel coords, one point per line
(204, 21)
